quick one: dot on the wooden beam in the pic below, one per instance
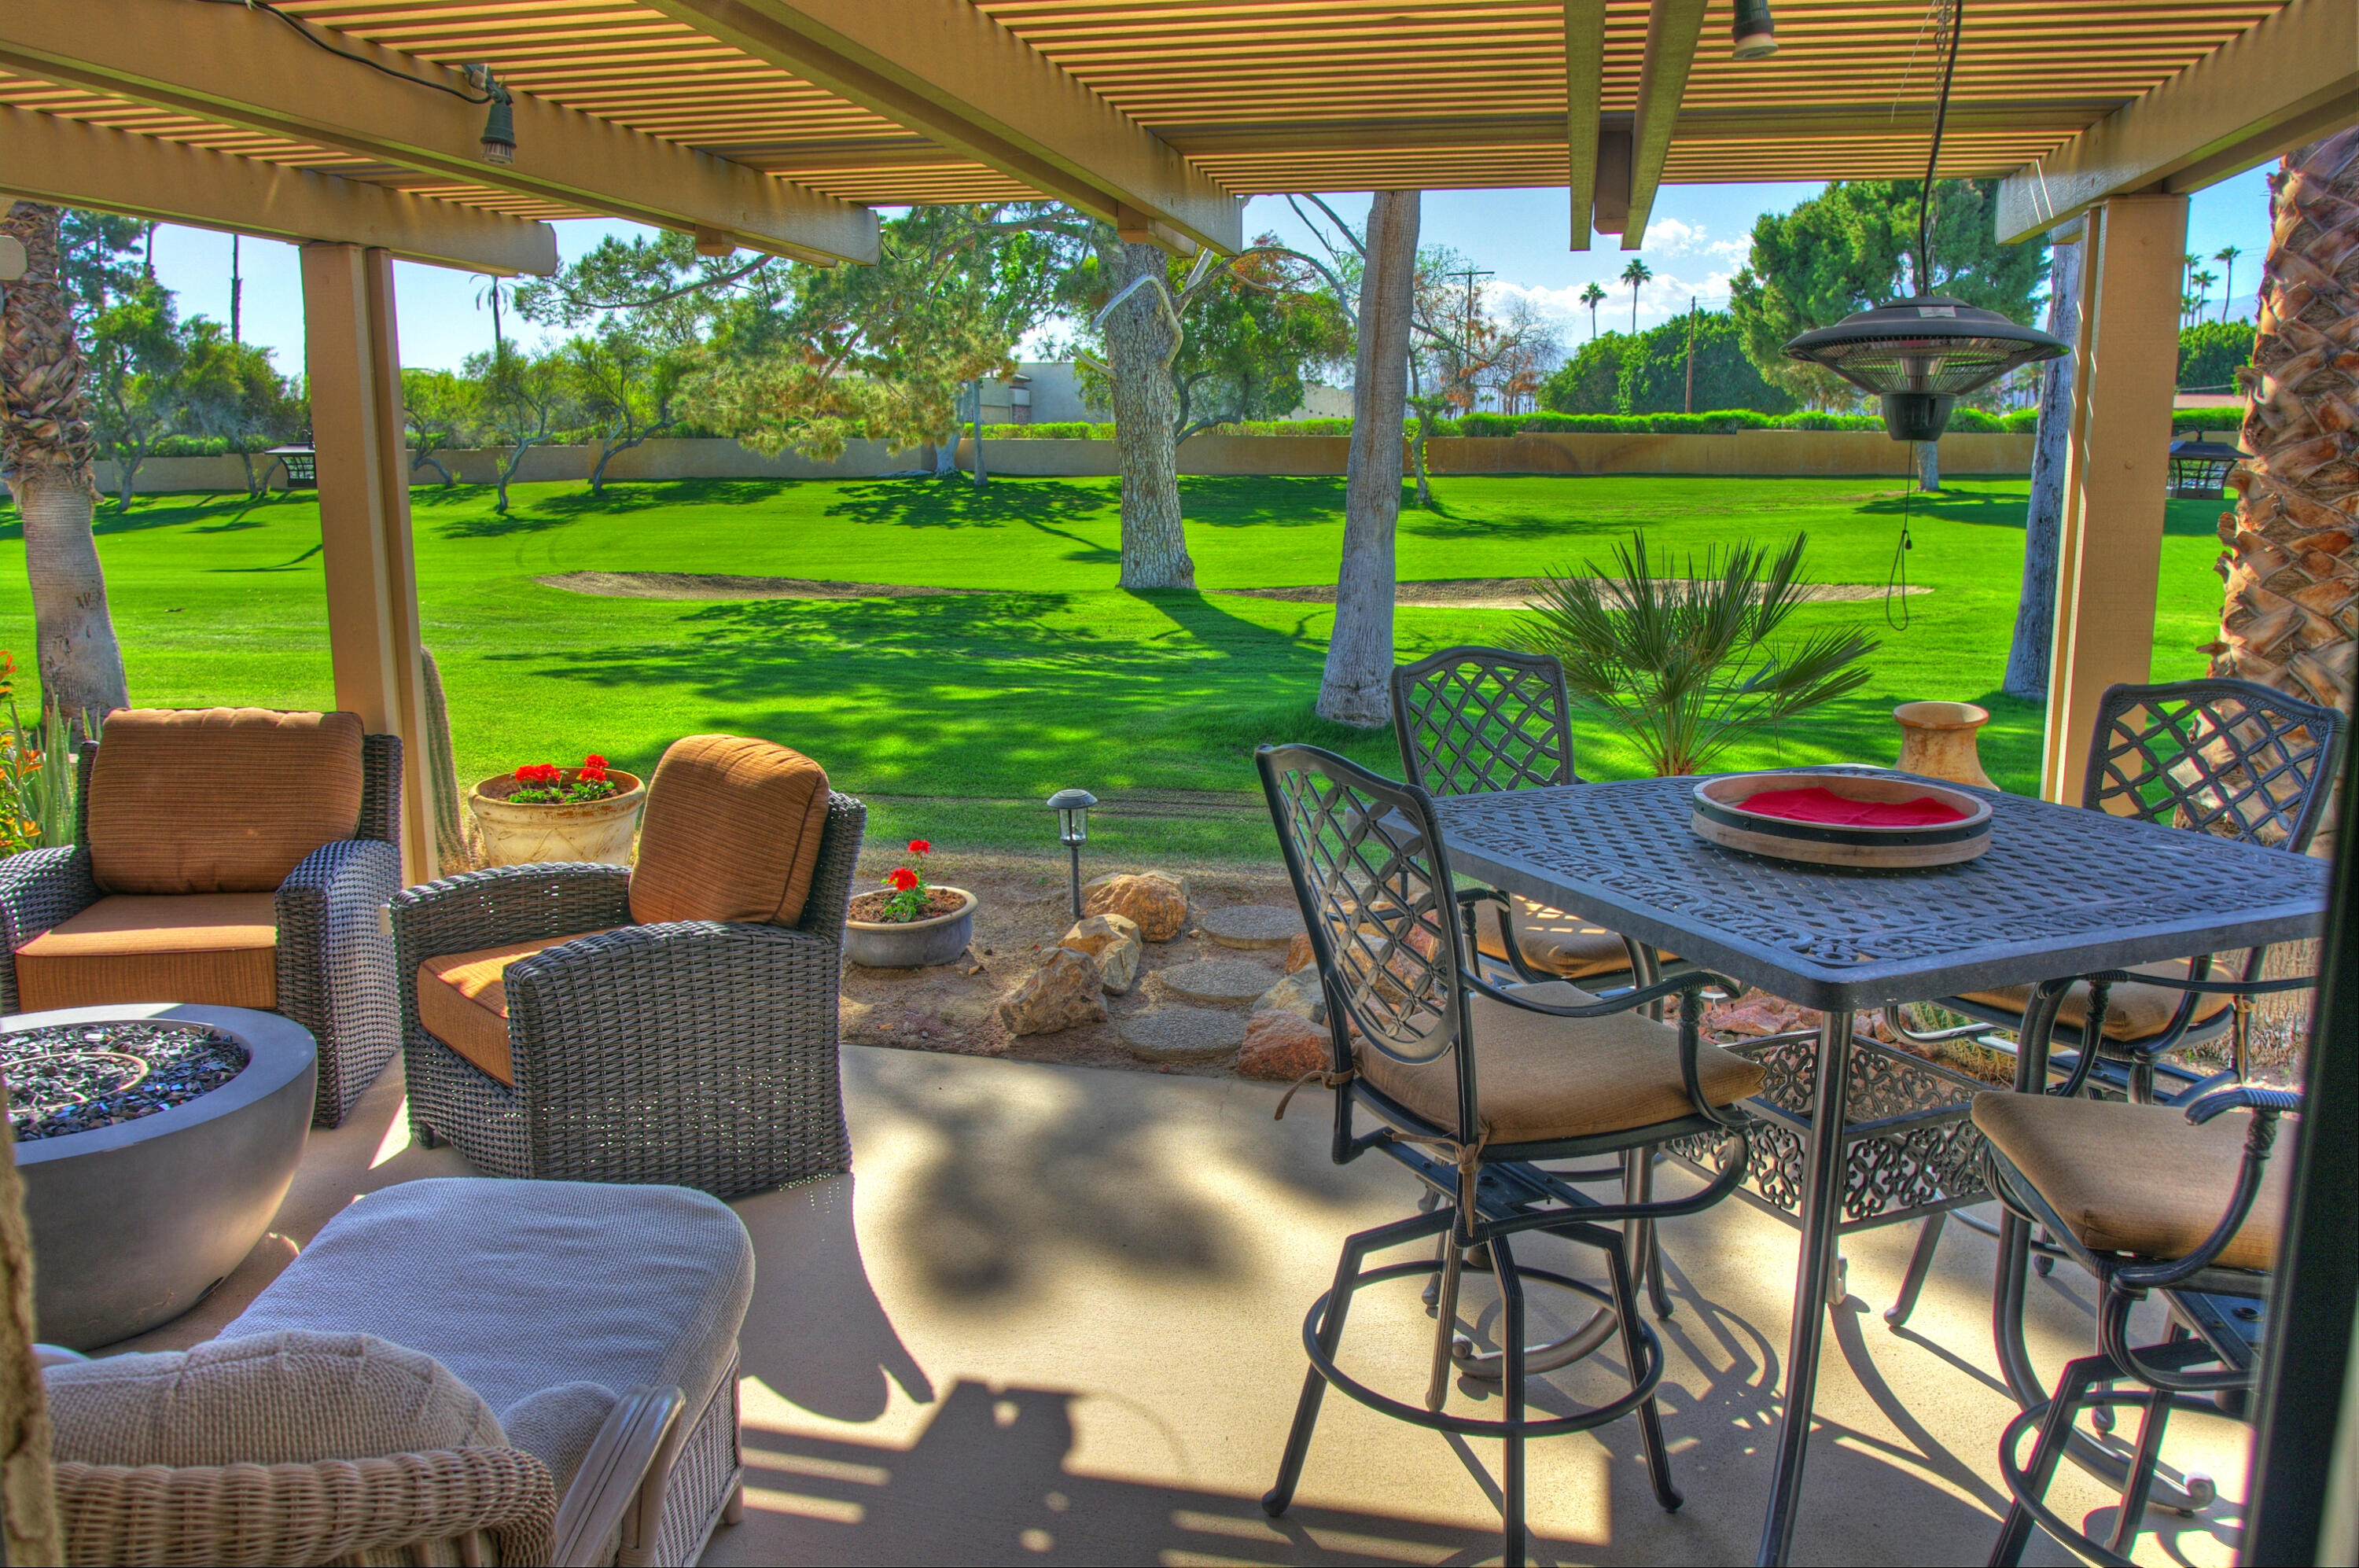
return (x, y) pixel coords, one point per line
(237, 67)
(75, 164)
(1672, 30)
(2117, 465)
(2288, 80)
(354, 371)
(1585, 88)
(944, 68)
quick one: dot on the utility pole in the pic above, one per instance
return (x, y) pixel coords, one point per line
(1466, 327)
(236, 286)
(1691, 310)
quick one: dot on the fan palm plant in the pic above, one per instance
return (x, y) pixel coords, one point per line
(1685, 664)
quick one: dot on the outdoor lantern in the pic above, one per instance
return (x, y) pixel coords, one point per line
(2199, 469)
(1920, 355)
(1073, 809)
(1755, 33)
(499, 123)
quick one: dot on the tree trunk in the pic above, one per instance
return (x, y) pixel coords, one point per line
(1416, 455)
(1929, 465)
(1141, 343)
(982, 474)
(1357, 687)
(2043, 520)
(45, 448)
(2292, 567)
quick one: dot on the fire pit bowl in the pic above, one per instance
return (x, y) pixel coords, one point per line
(133, 1221)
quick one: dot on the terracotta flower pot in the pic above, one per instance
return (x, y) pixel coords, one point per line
(887, 945)
(529, 835)
(1937, 740)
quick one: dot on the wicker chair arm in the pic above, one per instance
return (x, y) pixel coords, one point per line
(507, 903)
(330, 1511)
(658, 984)
(39, 888)
(643, 1428)
(337, 889)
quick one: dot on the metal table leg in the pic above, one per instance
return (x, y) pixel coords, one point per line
(1822, 1193)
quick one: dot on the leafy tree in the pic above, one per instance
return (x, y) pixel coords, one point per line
(1647, 374)
(139, 353)
(439, 410)
(1592, 296)
(1459, 347)
(1591, 381)
(1853, 247)
(1635, 274)
(625, 387)
(1255, 331)
(524, 404)
(2227, 256)
(233, 390)
(2211, 353)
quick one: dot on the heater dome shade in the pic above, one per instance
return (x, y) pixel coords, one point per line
(1930, 344)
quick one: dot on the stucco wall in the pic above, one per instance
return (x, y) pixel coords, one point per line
(1861, 452)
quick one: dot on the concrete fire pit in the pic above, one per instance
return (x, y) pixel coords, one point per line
(131, 1223)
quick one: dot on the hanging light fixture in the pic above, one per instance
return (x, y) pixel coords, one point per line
(499, 125)
(1756, 32)
(1922, 353)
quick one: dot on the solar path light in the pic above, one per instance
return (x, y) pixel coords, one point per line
(1073, 809)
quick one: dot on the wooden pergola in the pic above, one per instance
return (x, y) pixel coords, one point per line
(777, 126)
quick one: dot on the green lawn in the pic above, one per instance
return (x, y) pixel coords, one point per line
(1056, 677)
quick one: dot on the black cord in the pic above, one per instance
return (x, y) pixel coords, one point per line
(1896, 581)
(309, 36)
(1955, 10)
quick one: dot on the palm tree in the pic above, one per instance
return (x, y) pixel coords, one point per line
(46, 445)
(2203, 281)
(1634, 273)
(2227, 256)
(1592, 296)
(2293, 573)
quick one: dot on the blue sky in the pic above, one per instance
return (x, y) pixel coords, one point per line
(1695, 243)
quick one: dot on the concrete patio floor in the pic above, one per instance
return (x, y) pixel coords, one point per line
(1054, 1315)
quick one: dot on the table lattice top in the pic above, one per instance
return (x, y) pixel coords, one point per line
(2062, 890)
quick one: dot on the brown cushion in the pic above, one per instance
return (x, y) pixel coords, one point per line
(2132, 1011)
(732, 833)
(463, 1000)
(1552, 941)
(1541, 1078)
(217, 948)
(219, 800)
(2138, 1179)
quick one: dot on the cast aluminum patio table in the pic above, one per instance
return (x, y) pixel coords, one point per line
(2062, 890)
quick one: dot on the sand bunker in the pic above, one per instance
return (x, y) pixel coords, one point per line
(715, 585)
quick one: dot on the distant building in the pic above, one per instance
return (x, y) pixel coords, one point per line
(1049, 392)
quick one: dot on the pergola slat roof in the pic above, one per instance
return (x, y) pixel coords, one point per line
(1256, 97)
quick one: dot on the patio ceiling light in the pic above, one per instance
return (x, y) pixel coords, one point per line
(499, 123)
(1756, 32)
(1922, 353)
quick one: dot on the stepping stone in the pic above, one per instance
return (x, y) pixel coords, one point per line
(1217, 982)
(1252, 926)
(1182, 1034)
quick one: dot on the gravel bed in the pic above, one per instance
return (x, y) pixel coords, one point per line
(69, 1078)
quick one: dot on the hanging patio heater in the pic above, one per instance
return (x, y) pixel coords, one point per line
(1921, 354)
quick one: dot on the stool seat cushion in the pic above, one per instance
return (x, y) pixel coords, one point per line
(463, 1000)
(1542, 1078)
(519, 1286)
(2132, 1011)
(220, 949)
(2137, 1179)
(295, 1397)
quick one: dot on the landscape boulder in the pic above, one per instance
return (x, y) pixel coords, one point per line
(1298, 952)
(1062, 994)
(1298, 994)
(1281, 1046)
(1112, 941)
(1158, 903)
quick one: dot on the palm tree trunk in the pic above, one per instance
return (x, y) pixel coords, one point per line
(1357, 685)
(2043, 523)
(45, 448)
(1141, 343)
(2292, 565)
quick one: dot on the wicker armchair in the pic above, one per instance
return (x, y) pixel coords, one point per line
(116, 918)
(695, 1051)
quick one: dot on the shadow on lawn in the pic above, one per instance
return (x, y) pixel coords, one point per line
(957, 503)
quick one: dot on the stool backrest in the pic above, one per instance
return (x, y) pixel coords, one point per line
(1479, 720)
(1368, 867)
(2228, 757)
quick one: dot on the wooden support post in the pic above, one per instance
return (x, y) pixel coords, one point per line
(2125, 367)
(354, 368)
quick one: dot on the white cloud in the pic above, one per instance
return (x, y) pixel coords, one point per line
(1663, 296)
(1670, 236)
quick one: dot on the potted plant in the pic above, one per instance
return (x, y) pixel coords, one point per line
(542, 812)
(909, 922)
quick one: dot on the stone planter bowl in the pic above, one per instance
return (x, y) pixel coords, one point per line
(1937, 741)
(600, 831)
(881, 944)
(133, 1224)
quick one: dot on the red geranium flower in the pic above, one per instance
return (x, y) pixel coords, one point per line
(594, 760)
(901, 879)
(921, 846)
(537, 773)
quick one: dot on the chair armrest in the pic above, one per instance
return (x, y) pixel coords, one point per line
(507, 903)
(2266, 1106)
(1620, 1002)
(336, 1510)
(39, 888)
(2243, 1097)
(624, 1473)
(336, 896)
